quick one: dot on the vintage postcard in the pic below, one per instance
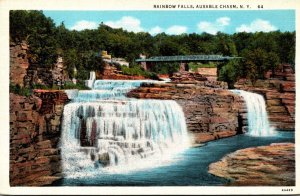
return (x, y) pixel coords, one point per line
(149, 97)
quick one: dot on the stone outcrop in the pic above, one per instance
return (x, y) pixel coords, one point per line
(37, 74)
(209, 73)
(187, 76)
(25, 73)
(18, 62)
(58, 75)
(279, 93)
(272, 165)
(34, 134)
(211, 113)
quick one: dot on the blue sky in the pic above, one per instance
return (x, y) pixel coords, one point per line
(177, 22)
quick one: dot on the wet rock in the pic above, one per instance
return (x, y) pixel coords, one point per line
(104, 159)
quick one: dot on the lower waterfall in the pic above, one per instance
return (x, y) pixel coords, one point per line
(257, 116)
(105, 131)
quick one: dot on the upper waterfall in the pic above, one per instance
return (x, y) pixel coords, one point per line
(90, 82)
(258, 122)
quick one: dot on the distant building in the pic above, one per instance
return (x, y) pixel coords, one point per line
(120, 61)
(104, 55)
(107, 58)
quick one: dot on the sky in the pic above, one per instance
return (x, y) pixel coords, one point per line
(178, 22)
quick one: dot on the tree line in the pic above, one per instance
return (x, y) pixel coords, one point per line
(260, 51)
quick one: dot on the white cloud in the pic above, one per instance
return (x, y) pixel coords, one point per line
(84, 24)
(155, 30)
(223, 21)
(128, 23)
(213, 27)
(257, 25)
(176, 30)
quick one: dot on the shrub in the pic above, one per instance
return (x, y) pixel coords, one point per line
(16, 89)
(195, 66)
(80, 85)
(138, 71)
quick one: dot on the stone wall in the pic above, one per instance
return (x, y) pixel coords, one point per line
(34, 135)
(18, 62)
(211, 113)
(279, 93)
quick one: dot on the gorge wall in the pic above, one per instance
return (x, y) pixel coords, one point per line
(280, 94)
(25, 73)
(18, 63)
(211, 111)
(34, 135)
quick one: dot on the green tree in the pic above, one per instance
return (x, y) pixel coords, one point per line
(257, 62)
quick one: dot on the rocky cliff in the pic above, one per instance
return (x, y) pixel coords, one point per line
(25, 73)
(211, 111)
(18, 63)
(279, 93)
(34, 136)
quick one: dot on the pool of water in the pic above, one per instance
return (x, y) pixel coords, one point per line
(189, 168)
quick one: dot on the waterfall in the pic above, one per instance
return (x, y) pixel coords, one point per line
(90, 82)
(258, 122)
(104, 130)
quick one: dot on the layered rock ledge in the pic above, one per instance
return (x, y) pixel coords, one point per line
(279, 93)
(272, 165)
(35, 128)
(211, 111)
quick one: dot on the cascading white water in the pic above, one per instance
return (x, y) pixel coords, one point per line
(90, 82)
(102, 127)
(258, 122)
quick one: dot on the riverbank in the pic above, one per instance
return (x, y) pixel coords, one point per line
(189, 168)
(272, 165)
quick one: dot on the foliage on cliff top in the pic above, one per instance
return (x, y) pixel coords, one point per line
(81, 49)
(194, 66)
(26, 91)
(138, 71)
(16, 89)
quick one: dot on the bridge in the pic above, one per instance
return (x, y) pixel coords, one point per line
(182, 59)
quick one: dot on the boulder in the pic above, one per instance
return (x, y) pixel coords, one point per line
(272, 165)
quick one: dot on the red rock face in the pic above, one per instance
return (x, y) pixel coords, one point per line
(111, 73)
(279, 92)
(211, 113)
(18, 63)
(187, 76)
(24, 73)
(272, 165)
(34, 134)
